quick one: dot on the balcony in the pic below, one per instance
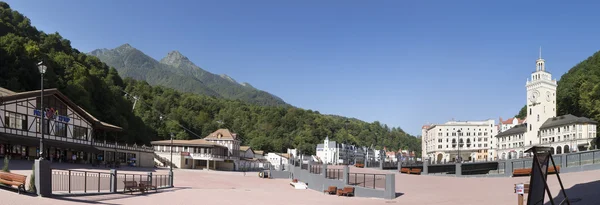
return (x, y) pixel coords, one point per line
(115, 145)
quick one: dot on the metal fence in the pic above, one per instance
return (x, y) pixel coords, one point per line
(72, 181)
(334, 174)
(157, 180)
(316, 169)
(374, 181)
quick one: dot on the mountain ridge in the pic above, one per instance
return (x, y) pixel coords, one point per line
(177, 71)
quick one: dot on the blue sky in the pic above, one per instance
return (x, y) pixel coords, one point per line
(403, 63)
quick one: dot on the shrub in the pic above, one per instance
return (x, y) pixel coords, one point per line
(31, 187)
(5, 167)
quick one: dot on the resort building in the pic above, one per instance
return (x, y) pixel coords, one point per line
(71, 134)
(566, 133)
(504, 125)
(443, 142)
(219, 150)
(331, 152)
(278, 160)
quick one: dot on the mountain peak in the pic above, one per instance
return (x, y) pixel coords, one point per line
(226, 77)
(174, 58)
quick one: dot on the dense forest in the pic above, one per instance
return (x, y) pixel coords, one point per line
(99, 89)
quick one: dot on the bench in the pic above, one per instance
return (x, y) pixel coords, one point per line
(405, 170)
(522, 172)
(13, 179)
(415, 171)
(148, 185)
(347, 191)
(527, 171)
(359, 165)
(133, 185)
(331, 190)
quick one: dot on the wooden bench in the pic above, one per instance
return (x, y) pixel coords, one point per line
(551, 170)
(521, 172)
(527, 171)
(359, 165)
(347, 191)
(331, 190)
(148, 185)
(405, 170)
(133, 185)
(13, 179)
(415, 171)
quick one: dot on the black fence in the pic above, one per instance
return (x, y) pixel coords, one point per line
(304, 166)
(334, 174)
(373, 181)
(316, 169)
(72, 181)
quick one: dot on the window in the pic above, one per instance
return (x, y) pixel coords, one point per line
(15, 120)
(530, 127)
(530, 112)
(60, 129)
(538, 117)
(80, 133)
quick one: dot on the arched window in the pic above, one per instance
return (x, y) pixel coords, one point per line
(530, 111)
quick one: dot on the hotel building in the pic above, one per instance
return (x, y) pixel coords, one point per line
(442, 143)
(219, 150)
(69, 132)
(566, 133)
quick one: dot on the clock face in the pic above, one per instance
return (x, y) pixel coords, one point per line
(548, 96)
(534, 96)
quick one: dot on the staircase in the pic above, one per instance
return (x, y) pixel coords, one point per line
(163, 161)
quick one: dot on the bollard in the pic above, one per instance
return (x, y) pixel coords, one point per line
(113, 181)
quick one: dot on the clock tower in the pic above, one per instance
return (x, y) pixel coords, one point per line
(541, 101)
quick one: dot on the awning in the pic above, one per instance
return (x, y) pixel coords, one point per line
(35, 142)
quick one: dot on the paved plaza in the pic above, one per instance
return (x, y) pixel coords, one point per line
(214, 187)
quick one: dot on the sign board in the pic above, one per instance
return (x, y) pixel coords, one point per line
(185, 154)
(520, 189)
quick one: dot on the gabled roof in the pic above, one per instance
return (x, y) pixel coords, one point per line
(566, 120)
(517, 129)
(259, 152)
(246, 148)
(222, 134)
(54, 92)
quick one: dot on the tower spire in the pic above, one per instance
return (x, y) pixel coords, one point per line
(540, 52)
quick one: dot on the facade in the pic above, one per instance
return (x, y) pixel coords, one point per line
(331, 152)
(219, 150)
(564, 134)
(278, 160)
(504, 125)
(441, 141)
(71, 134)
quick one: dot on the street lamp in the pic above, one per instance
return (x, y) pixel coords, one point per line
(459, 158)
(171, 166)
(346, 140)
(42, 68)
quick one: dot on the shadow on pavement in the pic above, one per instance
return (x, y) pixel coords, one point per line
(580, 194)
(100, 198)
(14, 189)
(398, 194)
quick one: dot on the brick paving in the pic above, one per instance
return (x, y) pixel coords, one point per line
(212, 187)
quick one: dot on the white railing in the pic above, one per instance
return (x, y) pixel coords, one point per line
(115, 145)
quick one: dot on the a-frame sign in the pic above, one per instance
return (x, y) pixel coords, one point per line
(539, 175)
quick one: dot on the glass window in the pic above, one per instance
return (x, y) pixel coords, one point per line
(15, 120)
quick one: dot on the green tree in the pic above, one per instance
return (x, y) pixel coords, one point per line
(522, 113)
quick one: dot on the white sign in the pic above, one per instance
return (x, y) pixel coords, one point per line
(520, 188)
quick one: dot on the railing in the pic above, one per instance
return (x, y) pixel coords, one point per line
(157, 180)
(316, 169)
(142, 148)
(205, 155)
(373, 181)
(334, 174)
(304, 166)
(72, 181)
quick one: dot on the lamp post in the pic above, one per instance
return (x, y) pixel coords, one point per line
(171, 166)
(459, 158)
(346, 140)
(42, 68)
